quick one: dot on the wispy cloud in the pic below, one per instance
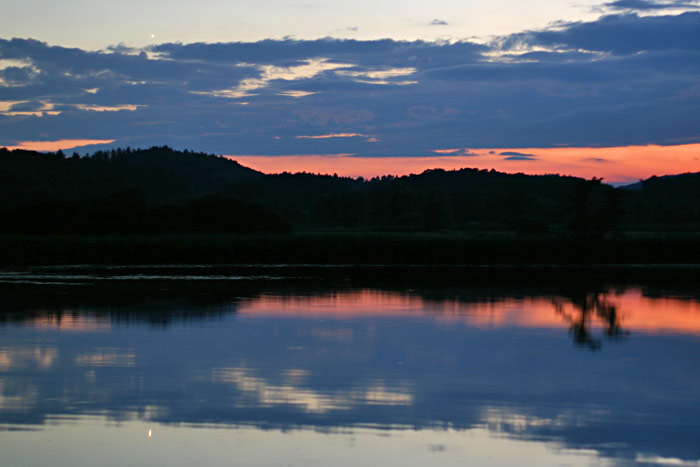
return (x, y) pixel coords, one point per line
(517, 156)
(28, 108)
(652, 5)
(334, 135)
(456, 152)
(296, 93)
(305, 71)
(381, 76)
(438, 22)
(107, 108)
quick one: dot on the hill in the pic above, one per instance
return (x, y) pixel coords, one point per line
(665, 200)
(159, 174)
(160, 190)
(156, 190)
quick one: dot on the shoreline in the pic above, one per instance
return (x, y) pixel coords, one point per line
(368, 249)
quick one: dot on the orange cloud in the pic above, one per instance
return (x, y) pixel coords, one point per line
(333, 135)
(58, 145)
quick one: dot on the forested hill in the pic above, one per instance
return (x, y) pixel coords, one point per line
(160, 190)
(159, 174)
(670, 199)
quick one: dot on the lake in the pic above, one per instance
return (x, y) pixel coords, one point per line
(311, 366)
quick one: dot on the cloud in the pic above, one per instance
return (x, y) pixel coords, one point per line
(455, 152)
(621, 34)
(438, 22)
(295, 93)
(107, 108)
(651, 5)
(248, 86)
(288, 52)
(620, 80)
(334, 135)
(517, 156)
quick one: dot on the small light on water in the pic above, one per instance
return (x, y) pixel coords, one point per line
(150, 433)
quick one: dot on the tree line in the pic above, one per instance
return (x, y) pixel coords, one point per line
(160, 190)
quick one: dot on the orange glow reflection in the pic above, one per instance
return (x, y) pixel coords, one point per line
(615, 164)
(634, 311)
(67, 322)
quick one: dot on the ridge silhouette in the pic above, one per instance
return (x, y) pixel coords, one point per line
(160, 190)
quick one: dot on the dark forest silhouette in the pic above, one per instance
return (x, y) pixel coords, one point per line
(160, 190)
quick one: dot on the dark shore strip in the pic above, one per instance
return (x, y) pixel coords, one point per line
(355, 248)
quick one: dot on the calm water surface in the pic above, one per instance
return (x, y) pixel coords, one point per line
(167, 366)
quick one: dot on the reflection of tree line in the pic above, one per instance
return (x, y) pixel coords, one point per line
(159, 316)
(587, 307)
(155, 303)
(163, 303)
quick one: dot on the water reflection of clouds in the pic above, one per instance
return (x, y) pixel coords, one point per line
(23, 357)
(12, 399)
(331, 334)
(469, 362)
(510, 420)
(70, 320)
(291, 392)
(650, 459)
(266, 394)
(111, 357)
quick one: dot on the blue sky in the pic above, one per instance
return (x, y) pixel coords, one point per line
(548, 74)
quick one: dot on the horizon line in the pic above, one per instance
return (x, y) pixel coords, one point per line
(615, 165)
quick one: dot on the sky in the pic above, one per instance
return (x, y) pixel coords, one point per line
(362, 88)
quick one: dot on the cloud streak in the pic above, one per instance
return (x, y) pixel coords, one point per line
(651, 5)
(517, 156)
(334, 135)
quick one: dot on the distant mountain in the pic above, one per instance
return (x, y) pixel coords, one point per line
(687, 178)
(669, 198)
(632, 186)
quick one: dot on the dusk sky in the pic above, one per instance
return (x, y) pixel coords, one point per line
(362, 88)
